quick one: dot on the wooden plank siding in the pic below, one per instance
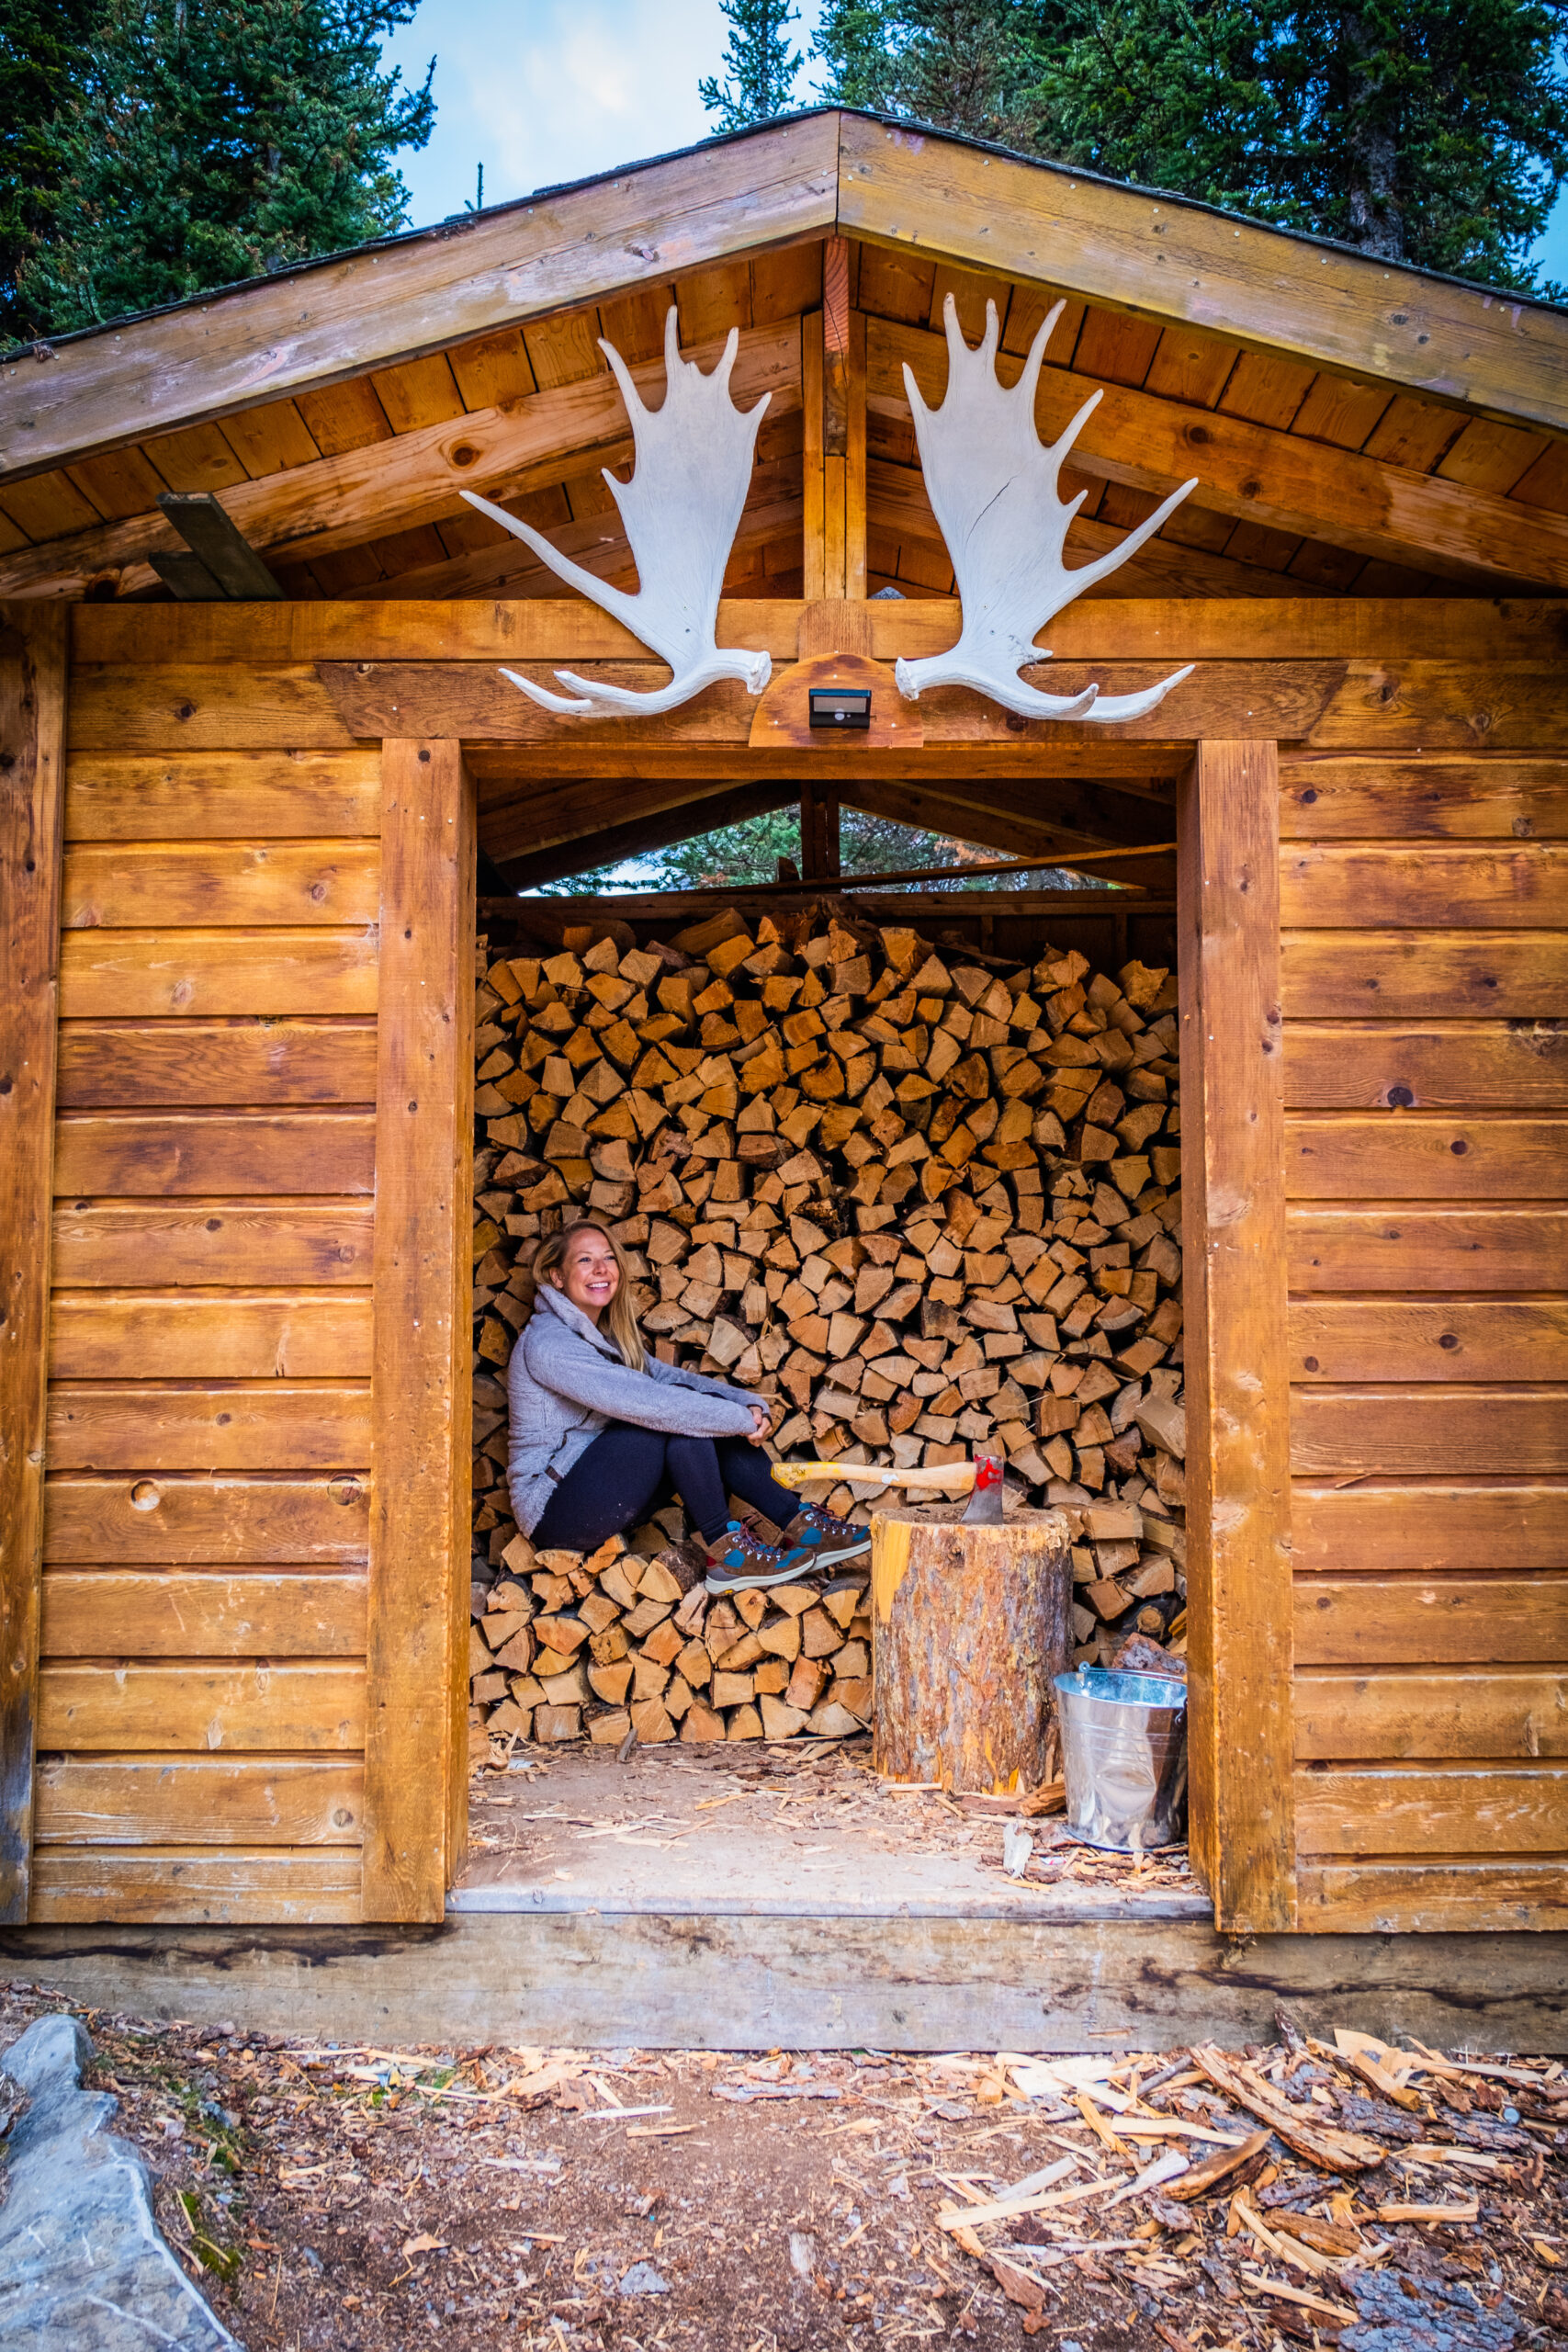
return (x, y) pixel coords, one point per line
(207, 1523)
(33, 665)
(1425, 951)
(258, 1307)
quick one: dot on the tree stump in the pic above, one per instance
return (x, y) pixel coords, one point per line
(969, 1624)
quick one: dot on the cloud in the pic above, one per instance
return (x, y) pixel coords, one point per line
(556, 90)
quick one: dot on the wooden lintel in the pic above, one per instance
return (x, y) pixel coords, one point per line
(473, 700)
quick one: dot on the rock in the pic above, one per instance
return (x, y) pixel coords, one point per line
(13, 2099)
(1426, 2315)
(642, 2279)
(83, 2267)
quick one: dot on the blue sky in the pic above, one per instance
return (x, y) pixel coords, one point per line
(556, 89)
(545, 90)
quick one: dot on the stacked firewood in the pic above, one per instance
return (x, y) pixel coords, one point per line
(628, 1640)
(925, 1200)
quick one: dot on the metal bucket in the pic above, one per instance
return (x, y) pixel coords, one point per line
(1123, 1758)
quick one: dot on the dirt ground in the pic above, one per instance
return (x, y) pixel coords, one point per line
(330, 2197)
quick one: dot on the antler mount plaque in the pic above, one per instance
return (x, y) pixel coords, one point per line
(992, 485)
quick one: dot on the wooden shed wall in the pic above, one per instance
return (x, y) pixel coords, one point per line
(241, 1170)
(251, 1455)
(1425, 958)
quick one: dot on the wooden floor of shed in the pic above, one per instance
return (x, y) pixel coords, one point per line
(786, 1832)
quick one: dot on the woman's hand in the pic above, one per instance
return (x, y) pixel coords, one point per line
(761, 1422)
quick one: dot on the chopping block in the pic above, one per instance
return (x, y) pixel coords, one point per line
(969, 1625)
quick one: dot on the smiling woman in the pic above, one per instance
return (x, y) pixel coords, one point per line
(602, 1432)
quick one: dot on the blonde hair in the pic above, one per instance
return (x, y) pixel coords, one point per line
(620, 1315)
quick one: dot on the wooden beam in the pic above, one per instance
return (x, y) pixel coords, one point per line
(819, 831)
(1131, 766)
(326, 321)
(1015, 818)
(672, 819)
(900, 507)
(598, 544)
(522, 817)
(220, 546)
(814, 486)
(528, 444)
(1167, 258)
(924, 906)
(32, 796)
(473, 700)
(568, 629)
(989, 828)
(832, 377)
(1237, 1365)
(1281, 478)
(415, 1736)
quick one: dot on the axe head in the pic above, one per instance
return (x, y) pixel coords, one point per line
(985, 1505)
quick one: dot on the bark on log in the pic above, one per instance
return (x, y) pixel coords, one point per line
(969, 1624)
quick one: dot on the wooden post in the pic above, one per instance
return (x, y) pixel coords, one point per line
(415, 1739)
(832, 361)
(819, 832)
(33, 662)
(969, 1625)
(1236, 1363)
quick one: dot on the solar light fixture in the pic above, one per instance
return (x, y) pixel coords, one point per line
(841, 706)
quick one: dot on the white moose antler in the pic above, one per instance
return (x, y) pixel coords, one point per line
(681, 509)
(992, 484)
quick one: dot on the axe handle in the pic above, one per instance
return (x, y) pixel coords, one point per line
(947, 1475)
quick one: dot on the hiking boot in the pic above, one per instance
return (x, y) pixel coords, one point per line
(828, 1539)
(738, 1563)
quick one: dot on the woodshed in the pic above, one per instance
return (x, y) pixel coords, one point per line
(263, 751)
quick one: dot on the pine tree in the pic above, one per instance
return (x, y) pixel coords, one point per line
(731, 855)
(1433, 131)
(211, 140)
(758, 65)
(965, 65)
(41, 43)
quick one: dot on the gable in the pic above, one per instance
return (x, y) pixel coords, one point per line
(1353, 429)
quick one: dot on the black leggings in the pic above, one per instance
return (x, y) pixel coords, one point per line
(628, 1472)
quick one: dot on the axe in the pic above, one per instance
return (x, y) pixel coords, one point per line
(980, 1480)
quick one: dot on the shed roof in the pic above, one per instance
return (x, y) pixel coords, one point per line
(1356, 427)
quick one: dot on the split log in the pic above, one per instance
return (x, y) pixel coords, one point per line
(969, 1625)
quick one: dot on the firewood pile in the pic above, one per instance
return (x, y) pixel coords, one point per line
(627, 1642)
(924, 1200)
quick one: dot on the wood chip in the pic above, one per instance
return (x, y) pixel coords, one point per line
(1471, 2212)
(1261, 2285)
(1319, 2144)
(1220, 2166)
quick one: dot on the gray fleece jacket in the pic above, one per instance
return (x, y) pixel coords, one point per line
(567, 1382)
